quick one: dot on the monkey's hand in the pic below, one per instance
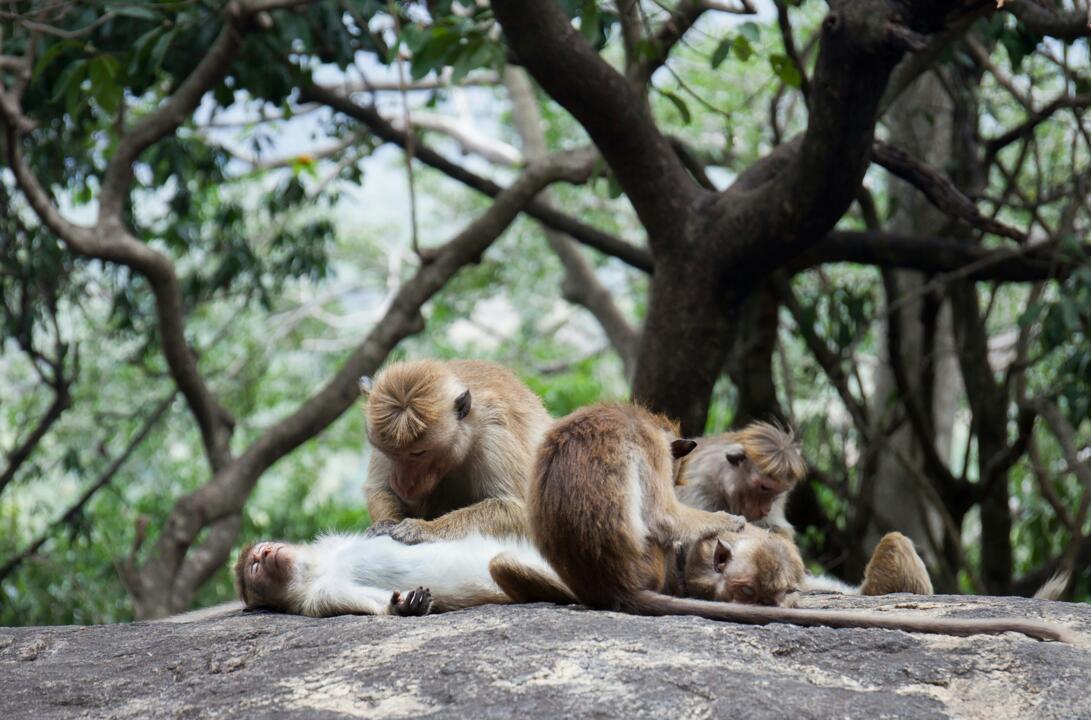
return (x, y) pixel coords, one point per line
(380, 528)
(412, 604)
(411, 531)
(731, 523)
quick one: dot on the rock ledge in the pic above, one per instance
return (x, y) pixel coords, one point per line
(541, 661)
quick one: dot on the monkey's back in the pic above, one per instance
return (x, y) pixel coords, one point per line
(585, 502)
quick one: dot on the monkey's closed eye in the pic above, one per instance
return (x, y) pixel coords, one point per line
(747, 592)
(418, 453)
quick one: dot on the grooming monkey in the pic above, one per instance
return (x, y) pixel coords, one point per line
(751, 472)
(361, 575)
(453, 446)
(602, 512)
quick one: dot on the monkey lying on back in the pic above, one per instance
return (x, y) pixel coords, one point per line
(603, 514)
(360, 575)
(751, 472)
(452, 444)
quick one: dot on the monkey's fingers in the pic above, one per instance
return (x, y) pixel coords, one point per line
(382, 527)
(413, 603)
(421, 601)
(732, 523)
(409, 532)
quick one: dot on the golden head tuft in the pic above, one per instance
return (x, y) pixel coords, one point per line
(406, 399)
(773, 450)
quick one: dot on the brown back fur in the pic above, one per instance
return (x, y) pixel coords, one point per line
(583, 468)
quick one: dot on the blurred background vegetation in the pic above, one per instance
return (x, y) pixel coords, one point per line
(289, 229)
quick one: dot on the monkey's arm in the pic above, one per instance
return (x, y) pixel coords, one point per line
(498, 517)
(777, 522)
(348, 598)
(383, 505)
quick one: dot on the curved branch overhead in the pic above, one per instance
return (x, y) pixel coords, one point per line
(586, 234)
(604, 102)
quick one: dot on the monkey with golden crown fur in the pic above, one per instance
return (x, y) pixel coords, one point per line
(751, 471)
(452, 447)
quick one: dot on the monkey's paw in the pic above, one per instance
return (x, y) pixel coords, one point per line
(412, 604)
(382, 527)
(732, 523)
(410, 532)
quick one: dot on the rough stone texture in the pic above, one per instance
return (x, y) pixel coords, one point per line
(540, 661)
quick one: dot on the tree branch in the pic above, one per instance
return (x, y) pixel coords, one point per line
(580, 285)
(62, 400)
(608, 106)
(102, 481)
(932, 254)
(1065, 25)
(592, 237)
(939, 190)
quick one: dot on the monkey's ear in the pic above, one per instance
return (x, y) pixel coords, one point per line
(462, 405)
(681, 448)
(735, 454)
(365, 383)
(722, 556)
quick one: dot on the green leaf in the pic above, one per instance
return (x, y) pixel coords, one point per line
(679, 105)
(159, 50)
(785, 70)
(750, 31)
(589, 20)
(71, 76)
(721, 52)
(742, 47)
(138, 12)
(55, 51)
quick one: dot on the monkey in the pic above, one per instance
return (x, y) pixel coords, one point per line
(342, 574)
(602, 512)
(749, 472)
(453, 443)
(752, 471)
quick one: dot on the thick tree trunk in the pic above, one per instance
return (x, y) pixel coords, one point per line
(687, 335)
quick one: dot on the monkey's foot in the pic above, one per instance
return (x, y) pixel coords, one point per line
(412, 604)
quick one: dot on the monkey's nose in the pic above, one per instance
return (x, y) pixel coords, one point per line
(768, 485)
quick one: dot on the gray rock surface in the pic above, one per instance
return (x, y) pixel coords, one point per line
(540, 661)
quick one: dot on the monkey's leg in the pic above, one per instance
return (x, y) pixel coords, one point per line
(497, 517)
(895, 566)
(345, 597)
(525, 584)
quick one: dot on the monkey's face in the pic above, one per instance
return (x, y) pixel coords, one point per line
(263, 572)
(438, 447)
(753, 567)
(419, 468)
(726, 466)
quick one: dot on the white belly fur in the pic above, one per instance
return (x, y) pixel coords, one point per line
(456, 571)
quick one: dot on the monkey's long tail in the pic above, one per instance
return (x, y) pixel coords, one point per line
(647, 602)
